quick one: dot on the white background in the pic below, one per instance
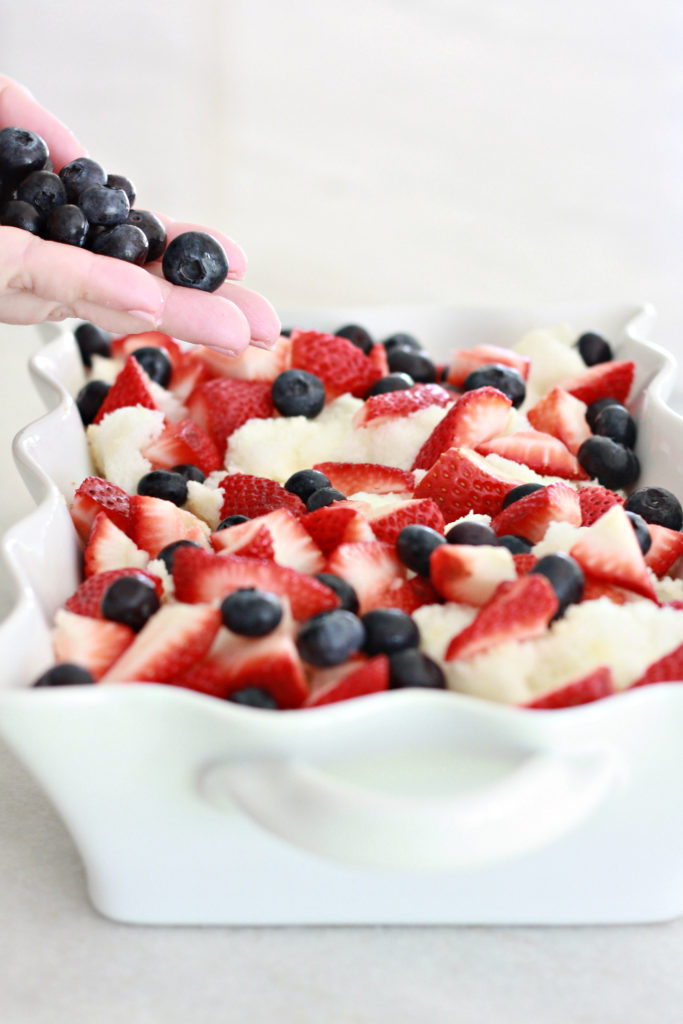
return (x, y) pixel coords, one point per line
(366, 152)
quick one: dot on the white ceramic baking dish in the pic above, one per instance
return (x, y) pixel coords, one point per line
(410, 806)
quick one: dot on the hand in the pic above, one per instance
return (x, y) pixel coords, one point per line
(41, 280)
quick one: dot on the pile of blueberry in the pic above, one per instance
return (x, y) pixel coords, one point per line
(84, 206)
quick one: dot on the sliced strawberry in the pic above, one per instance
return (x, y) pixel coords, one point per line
(371, 567)
(93, 643)
(221, 406)
(517, 611)
(340, 365)
(609, 551)
(388, 521)
(464, 360)
(406, 595)
(171, 640)
(593, 686)
(110, 548)
(94, 496)
(188, 373)
(562, 415)
(470, 572)
(131, 387)
(378, 357)
(666, 548)
(253, 364)
(182, 442)
(87, 598)
(289, 542)
(477, 416)
(461, 481)
(351, 477)
(155, 522)
(248, 495)
(594, 589)
(127, 344)
(605, 380)
(668, 669)
(336, 524)
(392, 404)
(252, 539)
(595, 501)
(203, 577)
(371, 676)
(542, 453)
(524, 562)
(531, 515)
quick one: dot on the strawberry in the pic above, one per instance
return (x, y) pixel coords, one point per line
(109, 547)
(531, 515)
(406, 595)
(252, 539)
(336, 524)
(595, 501)
(200, 576)
(609, 551)
(371, 676)
(387, 521)
(460, 481)
(87, 598)
(542, 453)
(562, 415)
(131, 387)
(371, 567)
(594, 685)
(171, 640)
(594, 589)
(666, 548)
(668, 669)
(248, 495)
(517, 611)
(126, 345)
(464, 361)
(470, 572)
(392, 404)
(155, 522)
(182, 442)
(221, 406)
(94, 496)
(378, 357)
(253, 364)
(289, 542)
(524, 562)
(605, 380)
(339, 364)
(351, 477)
(188, 373)
(477, 416)
(91, 642)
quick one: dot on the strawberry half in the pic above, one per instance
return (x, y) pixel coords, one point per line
(155, 522)
(351, 477)
(609, 551)
(290, 543)
(188, 373)
(252, 538)
(605, 380)
(249, 495)
(371, 676)
(221, 406)
(110, 548)
(94, 643)
(86, 600)
(470, 572)
(387, 522)
(666, 548)
(253, 364)
(531, 515)
(126, 345)
(595, 501)
(371, 567)
(593, 686)
(562, 415)
(380, 408)
(131, 387)
(171, 640)
(594, 589)
(339, 364)
(336, 524)
(461, 481)
(96, 495)
(477, 416)
(668, 669)
(517, 611)
(542, 453)
(406, 595)
(464, 360)
(182, 442)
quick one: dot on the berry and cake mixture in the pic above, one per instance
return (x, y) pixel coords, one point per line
(340, 516)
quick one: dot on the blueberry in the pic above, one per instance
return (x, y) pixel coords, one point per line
(253, 697)
(471, 532)
(103, 205)
(357, 335)
(65, 674)
(656, 505)
(122, 242)
(155, 362)
(162, 483)
(67, 224)
(167, 554)
(305, 481)
(594, 349)
(330, 638)
(641, 531)
(90, 398)
(131, 601)
(615, 421)
(195, 260)
(44, 190)
(80, 174)
(190, 472)
(322, 497)
(348, 598)
(402, 340)
(21, 153)
(121, 181)
(516, 545)
(565, 576)
(153, 229)
(496, 375)
(520, 491)
(233, 520)
(392, 382)
(609, 463)
(92, 341)
(251, 612)
(298, 393)
(412, 668)
(595, 408)
(414, 362)
(18, 214)
(389, 630)
(415, 544)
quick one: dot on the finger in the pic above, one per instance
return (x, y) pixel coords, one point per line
(237, 260)
(19, 109)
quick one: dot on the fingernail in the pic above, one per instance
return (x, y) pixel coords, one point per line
(149, 318)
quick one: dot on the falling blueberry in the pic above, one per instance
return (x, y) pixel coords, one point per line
(194, 259)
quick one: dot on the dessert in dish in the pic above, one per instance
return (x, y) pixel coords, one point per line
(340, 517)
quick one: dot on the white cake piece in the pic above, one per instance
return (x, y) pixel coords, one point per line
(116, 443)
